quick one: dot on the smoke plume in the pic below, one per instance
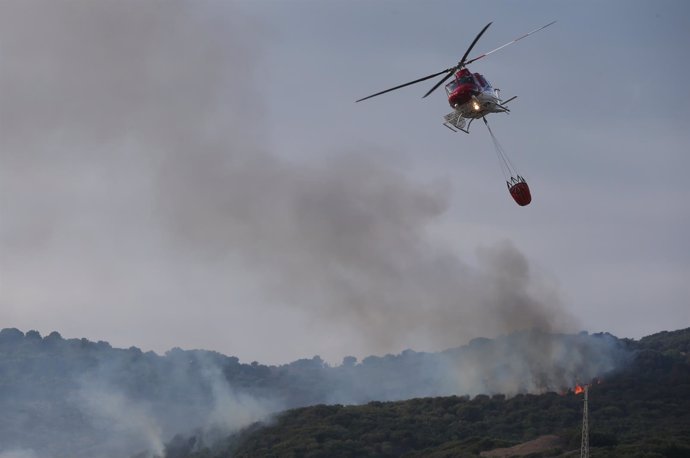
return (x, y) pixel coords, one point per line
(137, 192)
(140, 203)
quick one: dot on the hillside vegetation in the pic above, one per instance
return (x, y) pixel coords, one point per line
(79, 399)
(642, 410)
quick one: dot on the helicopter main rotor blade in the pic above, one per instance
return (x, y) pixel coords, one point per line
(467, 53)
(509, 43)
(461, 63)
(406, 84)
(450, 73)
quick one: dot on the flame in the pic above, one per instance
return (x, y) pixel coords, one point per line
(579, 389)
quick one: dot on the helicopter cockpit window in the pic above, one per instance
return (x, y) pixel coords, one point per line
(450, 87)
(467, 79)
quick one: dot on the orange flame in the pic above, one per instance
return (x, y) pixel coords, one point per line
(579, 389)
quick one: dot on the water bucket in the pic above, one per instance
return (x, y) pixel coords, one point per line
(520, 191)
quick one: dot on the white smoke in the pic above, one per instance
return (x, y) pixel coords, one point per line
(233, 410)
(131, 425)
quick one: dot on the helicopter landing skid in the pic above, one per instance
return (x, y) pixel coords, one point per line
(454, 121)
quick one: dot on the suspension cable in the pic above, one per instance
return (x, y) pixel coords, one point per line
(507, 167)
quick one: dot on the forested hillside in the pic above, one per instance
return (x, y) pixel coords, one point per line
(642, 410)
(77, 398)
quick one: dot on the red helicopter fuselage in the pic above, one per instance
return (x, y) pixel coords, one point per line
(465, 85)
(471, 97)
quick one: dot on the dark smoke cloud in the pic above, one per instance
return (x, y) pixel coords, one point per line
(137, 192)
(347, 241)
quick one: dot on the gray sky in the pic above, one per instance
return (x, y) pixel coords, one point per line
(196, 174)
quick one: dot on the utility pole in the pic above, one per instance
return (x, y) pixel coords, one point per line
(584, 447)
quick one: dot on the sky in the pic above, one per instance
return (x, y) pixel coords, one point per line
(196, 174)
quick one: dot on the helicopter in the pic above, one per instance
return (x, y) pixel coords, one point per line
(469, 94)
(472, 97)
